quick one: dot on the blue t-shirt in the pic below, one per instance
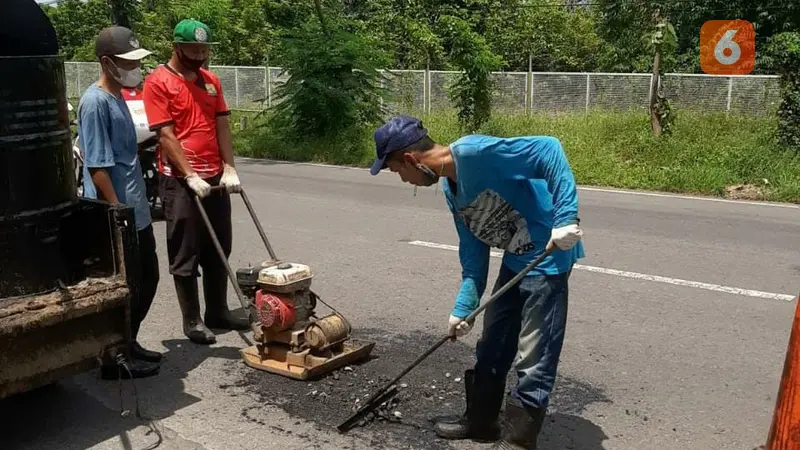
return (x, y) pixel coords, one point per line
(108, 140)
(510, 194)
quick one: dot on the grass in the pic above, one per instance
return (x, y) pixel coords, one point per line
(706, 154)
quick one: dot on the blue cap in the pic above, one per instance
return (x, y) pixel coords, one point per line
(396, 134)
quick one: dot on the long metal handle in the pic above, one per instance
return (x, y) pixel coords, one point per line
(254, 217)
(258, 226)
(253, 323)
(372, 402)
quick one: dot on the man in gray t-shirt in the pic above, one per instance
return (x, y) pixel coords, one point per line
(112, 173)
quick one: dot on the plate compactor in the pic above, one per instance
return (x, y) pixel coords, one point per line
(291, 340)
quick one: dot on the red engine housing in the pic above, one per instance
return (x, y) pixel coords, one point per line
(276, 311)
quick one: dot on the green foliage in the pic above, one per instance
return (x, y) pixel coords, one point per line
(77, 23)
(553, 37)
(608, 35)
(472, 90)
(706, 154)
(622, 22)
(627, 27)
(785, 49)
(333, 80)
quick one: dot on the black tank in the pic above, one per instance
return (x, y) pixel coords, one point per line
(37, 181)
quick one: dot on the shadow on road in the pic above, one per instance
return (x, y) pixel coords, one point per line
(165, 393)
(63, 416)
(85, 411)
(568, 432)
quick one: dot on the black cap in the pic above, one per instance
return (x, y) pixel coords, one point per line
(119, 42)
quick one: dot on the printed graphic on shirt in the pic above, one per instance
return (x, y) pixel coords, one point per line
(492, 220)
(203, 166)
(200, 164)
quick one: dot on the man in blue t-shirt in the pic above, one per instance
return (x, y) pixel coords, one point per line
(519, 195)
(112, 173)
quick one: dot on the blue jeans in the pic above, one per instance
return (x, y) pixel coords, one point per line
(525, 327)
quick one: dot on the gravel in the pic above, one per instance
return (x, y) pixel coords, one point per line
(425, 392)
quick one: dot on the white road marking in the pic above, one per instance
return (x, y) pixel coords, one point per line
(689, 197)
(643, 276)
(580, 188)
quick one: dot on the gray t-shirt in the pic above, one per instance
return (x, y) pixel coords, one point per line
(108, 140)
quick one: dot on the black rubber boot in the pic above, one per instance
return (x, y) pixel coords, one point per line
(455, 418)
(479, 421)
(521, 427)
(188, 298)
(215, 291)
(139, 352)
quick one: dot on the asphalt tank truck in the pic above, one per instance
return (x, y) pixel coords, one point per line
(65, 261)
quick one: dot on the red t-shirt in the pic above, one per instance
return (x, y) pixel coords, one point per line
(192, 109)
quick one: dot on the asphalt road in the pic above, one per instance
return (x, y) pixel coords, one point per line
(648, 362)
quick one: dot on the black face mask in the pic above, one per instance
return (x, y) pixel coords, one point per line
(190, 63)
(430, 176)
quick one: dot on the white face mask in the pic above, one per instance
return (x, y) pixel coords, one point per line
(128, 78)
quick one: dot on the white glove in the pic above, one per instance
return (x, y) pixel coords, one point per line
(198, 185)
(230, 179)
(458, 327)
(565, 237)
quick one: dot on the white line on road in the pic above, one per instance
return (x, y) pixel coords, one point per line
(689, 197)
(643, 276)
(580, 188)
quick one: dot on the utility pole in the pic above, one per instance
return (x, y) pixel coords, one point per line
(658, 39)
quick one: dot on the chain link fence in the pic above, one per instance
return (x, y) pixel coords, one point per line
(414, 91)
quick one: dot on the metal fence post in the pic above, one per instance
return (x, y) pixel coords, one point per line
(588, 80)
(730, 90)
(236, 82)
(266, 86)
(529, 86)
(269, 87)
(428, 86)
(382, 86)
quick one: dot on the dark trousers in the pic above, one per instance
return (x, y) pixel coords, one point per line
(524, 329)
(147, 277)
(188, 243)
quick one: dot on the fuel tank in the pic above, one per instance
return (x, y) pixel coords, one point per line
(37, 182)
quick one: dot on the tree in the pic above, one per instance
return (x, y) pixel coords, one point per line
(785, 48)
(621, 22)
(554, 38)
(661, 114)
(333, 84)
(77, 23)
(626, 26)
(472, 91)
(123, 12)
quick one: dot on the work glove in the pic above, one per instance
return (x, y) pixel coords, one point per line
(458, 327)
(565, 237)
(230, 179)
(198, 185)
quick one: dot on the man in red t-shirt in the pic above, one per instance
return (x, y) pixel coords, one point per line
(185, 104)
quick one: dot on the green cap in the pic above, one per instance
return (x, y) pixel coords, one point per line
(191, 31)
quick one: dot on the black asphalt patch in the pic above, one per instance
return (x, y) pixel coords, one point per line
(433, 388)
